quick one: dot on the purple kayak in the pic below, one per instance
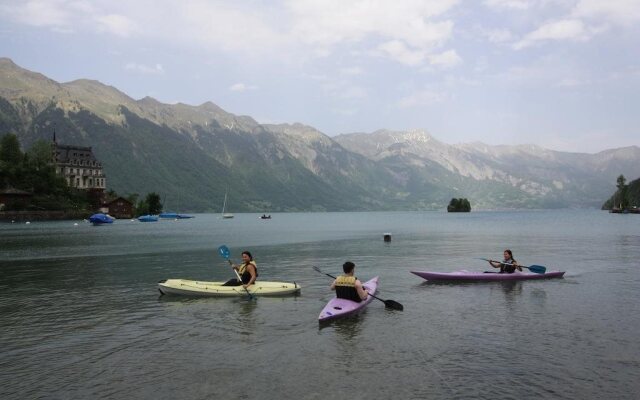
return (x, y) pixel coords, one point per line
(337, 308)
(490, 276)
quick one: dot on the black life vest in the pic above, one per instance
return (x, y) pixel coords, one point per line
(244, 273)
(346, 288)
(508, 269)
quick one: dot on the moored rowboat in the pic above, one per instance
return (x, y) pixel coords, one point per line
(488, 276)
(337, 308)
(186, 287)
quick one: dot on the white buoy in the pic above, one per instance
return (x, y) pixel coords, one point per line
(27, 223)
(75, 224)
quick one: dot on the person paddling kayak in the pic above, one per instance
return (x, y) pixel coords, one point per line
(347, 286)
(508, 265)
(248, 271)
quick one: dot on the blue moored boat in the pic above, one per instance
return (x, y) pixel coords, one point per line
(168, 215)
(100, 219)
(172, 215)
(148, 218)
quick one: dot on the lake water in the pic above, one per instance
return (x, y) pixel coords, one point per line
(81, 316)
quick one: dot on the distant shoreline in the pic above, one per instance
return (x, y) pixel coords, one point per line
(20, 216)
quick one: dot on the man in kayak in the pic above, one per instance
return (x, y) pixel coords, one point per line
(508, 265)
(347, 286)
(248, 271)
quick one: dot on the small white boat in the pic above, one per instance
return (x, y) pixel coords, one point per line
(224, 206)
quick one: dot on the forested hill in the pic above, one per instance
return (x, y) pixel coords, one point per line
(625, 197)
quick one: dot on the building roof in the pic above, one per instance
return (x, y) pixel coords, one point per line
(82, 155)
(109, 202)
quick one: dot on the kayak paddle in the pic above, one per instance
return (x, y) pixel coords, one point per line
(388, 303)
(536, 269)
(225, 253)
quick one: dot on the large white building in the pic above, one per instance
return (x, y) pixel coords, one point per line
(78, 166)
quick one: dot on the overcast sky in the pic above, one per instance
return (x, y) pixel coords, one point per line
(563, 74)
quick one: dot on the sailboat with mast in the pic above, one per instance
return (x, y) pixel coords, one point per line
(224, 206)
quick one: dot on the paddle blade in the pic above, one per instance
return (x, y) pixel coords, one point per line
(224, 251)
(537, 269)
(394, 305)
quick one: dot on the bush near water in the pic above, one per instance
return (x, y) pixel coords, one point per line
(459, 205)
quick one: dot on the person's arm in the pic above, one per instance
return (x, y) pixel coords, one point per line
(333, 285)
(515, 264)
(361, 291)
(252, 272)
(495, 264)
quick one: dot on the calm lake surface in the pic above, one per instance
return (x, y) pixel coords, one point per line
(81, 316)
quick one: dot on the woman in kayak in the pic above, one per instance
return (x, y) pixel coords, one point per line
(508, 265)
(248, 271)
(347, 286)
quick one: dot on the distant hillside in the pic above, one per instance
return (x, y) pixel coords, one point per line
(497, 176)
(191, 154)
(632, 196)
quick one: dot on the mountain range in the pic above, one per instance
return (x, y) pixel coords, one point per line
(191, 155)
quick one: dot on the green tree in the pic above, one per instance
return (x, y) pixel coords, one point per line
(466, 206)
(621, 182)
(40, 173)
(153, 203)
(10, 152)
(459, 205)
(621, 193)
(11, 159)
(142, 208)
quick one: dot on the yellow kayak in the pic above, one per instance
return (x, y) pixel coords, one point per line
(186, 287)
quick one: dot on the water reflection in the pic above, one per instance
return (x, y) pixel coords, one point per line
(511, 288)
(348, 329)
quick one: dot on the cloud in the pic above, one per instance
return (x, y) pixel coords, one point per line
(353, 92)
(352, 71)
(296, 30)
(498, 35)
(572, 82)
(567, 29)
(447, 59)
(333, 22)
(617, 12)
(424, 97)
(398, 51)
(242, 87)
(118, 25)
(145, 69)
(55, 14)
(580, 22)
(514, 4)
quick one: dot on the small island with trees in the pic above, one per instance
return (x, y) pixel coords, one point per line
(459, 205)
(626, 198)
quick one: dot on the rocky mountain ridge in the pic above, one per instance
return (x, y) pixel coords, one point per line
(193, 153)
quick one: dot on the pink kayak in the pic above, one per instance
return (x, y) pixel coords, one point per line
(489, 276)
(337, 308)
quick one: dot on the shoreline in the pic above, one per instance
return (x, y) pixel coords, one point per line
(21, 216)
